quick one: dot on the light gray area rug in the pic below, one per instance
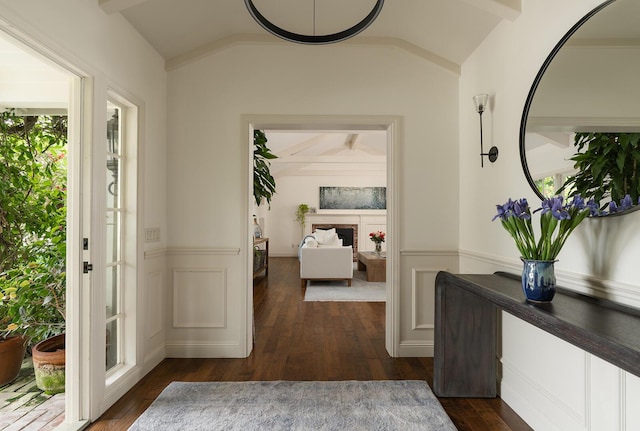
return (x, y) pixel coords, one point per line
(286, 405)
(337, 290)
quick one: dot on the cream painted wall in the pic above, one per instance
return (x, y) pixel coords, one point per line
(279, 222)
(600, 250)
(108, 50)
(208, 151)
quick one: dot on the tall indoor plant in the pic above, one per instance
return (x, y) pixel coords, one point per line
(264, 185)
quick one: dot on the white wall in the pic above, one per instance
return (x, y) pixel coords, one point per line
(600, 250)
(209, 151)
(109, 51)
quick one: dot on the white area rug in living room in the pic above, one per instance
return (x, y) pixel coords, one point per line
(337, 290)
(391, 405)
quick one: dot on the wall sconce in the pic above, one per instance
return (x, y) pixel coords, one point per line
(481, 103)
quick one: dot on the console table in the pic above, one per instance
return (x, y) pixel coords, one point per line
(466, 313)
(265, 263)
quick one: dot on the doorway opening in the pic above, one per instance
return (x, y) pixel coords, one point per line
(38, 87)
(314, 152)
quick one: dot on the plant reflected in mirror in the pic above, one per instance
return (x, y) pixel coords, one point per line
(606, 167)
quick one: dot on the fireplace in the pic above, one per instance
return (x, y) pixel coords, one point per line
(347, 232)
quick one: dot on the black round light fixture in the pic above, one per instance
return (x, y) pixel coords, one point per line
(314, 39)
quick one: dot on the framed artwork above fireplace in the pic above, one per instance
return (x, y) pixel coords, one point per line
(353, 198)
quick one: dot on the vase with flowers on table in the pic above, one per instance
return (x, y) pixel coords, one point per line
(378, 238)
(557, 221)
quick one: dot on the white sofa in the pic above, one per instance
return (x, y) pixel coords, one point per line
(322, 257)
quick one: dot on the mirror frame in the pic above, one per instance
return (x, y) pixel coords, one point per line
(534, 87)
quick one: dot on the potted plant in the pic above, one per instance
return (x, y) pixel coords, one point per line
(301, 212)
(34, 305)
(12, 347)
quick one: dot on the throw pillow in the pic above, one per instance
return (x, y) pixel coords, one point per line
(328, 236)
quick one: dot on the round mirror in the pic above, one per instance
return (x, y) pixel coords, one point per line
(580, 129)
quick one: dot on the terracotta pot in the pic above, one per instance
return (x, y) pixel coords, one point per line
(11, 356)
(49, 364)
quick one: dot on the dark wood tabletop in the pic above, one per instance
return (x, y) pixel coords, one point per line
(606, 329)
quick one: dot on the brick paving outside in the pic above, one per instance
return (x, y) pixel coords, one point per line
(25, 407)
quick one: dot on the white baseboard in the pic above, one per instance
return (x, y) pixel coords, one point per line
(203, 350)
(153, 359)
(415, 349)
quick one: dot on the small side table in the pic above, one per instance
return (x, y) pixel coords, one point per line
(265, 265)
(374, 264)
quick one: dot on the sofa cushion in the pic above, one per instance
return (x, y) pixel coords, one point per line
(327, 237)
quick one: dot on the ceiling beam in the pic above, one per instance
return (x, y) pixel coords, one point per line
(506, 9)
(295, 149)
(351, 139)
(329, 173)
(114, 6)
(328, 159)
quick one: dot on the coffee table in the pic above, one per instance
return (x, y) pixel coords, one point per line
(374, 264)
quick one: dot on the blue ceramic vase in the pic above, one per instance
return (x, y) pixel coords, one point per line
(538, 280)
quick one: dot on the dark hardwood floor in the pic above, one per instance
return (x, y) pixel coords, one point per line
(298, 340)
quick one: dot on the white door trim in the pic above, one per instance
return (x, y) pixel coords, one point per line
(393, 127)
(77, 399)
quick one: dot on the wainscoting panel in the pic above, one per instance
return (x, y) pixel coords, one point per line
(630, 400)
(153, 304)
(152, 308)
(199, 298)
(418, 270)
(553, 372)
(423, 289)
(206, 291)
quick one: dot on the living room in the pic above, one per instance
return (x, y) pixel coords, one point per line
(307, 163)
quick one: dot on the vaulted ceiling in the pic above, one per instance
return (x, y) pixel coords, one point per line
(441, 30)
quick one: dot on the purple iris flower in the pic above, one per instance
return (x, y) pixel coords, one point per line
(626, 203)
(613, 207)
(521, 209)
(578, 203)
(504, 211)
(594, 209)
(554, 205)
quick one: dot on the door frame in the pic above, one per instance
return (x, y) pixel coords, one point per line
(392, 125)
(80, 107)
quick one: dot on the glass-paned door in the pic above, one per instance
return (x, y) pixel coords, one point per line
(114, 171)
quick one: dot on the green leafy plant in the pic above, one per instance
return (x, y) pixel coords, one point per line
(264, 185)
(608, 167)
(301, 212)
(32, 225)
